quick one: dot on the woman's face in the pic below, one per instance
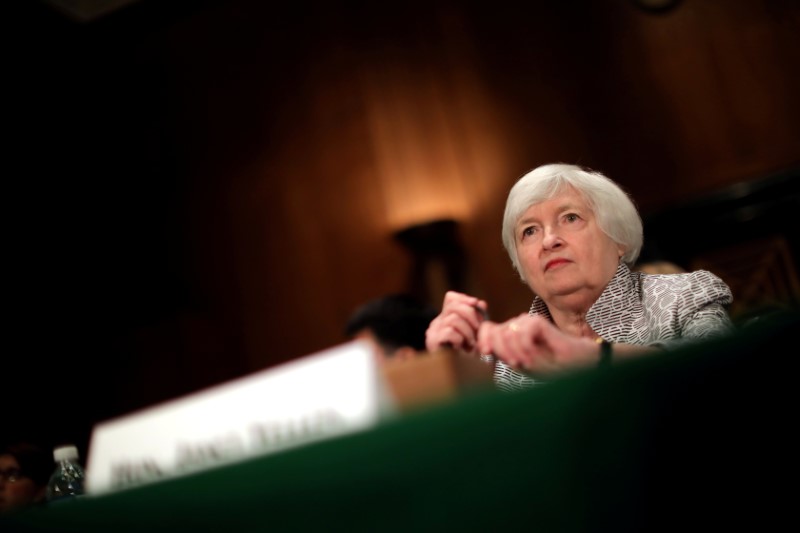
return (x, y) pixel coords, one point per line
(20, 492)
(561, 249)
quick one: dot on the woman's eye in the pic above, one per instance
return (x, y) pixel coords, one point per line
(571, 217)
(527, 232)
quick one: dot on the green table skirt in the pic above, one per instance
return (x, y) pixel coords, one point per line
(700, 437)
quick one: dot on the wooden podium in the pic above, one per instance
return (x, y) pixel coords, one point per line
(433, 377)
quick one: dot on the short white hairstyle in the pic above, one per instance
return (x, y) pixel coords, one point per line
(613, 209)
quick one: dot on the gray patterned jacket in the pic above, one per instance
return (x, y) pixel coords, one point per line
(646, 309)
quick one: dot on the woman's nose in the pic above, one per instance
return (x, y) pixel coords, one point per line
(551, 238)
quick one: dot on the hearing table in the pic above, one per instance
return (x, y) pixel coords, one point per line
(696, 437)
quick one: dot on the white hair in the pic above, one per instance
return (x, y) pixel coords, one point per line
(613, 209)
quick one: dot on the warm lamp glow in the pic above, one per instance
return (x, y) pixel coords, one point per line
(419, 153)
(414, 208)
(434, 130)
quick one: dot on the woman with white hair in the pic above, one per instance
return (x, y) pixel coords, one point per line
(572, 235)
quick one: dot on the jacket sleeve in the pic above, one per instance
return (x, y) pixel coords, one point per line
(703, 307)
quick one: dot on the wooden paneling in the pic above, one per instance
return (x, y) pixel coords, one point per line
(245, 164)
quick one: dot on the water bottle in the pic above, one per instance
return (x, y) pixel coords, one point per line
(67, 479)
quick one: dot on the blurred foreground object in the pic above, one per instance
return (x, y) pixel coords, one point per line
(436, 377)
(68, 477)
(596, 451)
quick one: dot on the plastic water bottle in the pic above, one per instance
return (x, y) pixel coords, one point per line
(67, 479)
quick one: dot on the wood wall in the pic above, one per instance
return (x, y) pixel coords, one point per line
(206, 189)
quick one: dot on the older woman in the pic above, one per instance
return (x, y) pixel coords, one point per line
(572, 235)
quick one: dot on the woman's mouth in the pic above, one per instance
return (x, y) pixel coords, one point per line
(553, 263)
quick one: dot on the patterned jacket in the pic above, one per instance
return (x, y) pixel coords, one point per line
(646, 309)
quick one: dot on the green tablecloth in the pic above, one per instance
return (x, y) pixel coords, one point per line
(697, 438)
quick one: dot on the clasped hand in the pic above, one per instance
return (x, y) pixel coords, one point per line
(526, 342)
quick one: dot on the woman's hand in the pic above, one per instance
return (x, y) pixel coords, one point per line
(536, 345)
(457, 325)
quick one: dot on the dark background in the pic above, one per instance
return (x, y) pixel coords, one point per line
(198, 190)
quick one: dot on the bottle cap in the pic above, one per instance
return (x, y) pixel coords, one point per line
(66, 452)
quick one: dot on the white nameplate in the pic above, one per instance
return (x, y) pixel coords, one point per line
(333, 392)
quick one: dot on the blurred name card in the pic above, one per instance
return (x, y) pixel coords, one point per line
(330, 393)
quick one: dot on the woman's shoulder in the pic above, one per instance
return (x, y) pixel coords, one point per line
(698, 283)
(680, 278)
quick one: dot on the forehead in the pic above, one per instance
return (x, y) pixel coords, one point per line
(566, 198)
